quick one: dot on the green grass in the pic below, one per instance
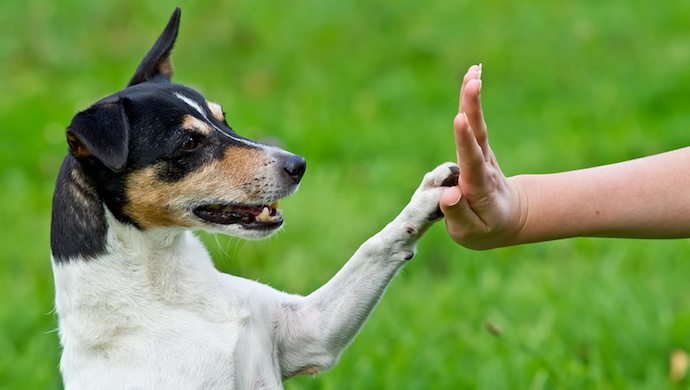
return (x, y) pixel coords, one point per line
(366, 91)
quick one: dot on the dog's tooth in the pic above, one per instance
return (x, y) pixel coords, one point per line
(276, 216)
(264, 214)
(275, 204)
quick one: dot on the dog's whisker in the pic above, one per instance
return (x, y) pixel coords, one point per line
(223, 251)
(244, 244)
(56, 330)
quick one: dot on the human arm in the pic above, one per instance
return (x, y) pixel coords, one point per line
(642, 198)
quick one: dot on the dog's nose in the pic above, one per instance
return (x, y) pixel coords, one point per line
(295, 166)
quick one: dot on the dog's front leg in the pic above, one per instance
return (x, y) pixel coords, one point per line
(313, 331)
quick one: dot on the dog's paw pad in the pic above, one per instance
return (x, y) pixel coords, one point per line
(452, 179)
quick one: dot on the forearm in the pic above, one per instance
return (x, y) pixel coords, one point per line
(643, 198)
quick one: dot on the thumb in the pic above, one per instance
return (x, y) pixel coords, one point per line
(450, 202)
(460, 219)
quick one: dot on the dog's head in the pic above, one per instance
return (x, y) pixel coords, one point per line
(160, 155)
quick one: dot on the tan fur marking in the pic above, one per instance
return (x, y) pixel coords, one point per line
(149, 201)
(216, 110)
(195, 124)
(77, 145)
(240, 177)
(165, 66)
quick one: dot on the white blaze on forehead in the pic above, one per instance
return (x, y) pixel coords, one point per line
(201, 111)
(192, 104)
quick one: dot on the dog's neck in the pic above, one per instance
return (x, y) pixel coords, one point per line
(133, 272)
(162, 262)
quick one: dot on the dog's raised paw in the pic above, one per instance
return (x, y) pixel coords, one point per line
(444, 175)
(423, 207)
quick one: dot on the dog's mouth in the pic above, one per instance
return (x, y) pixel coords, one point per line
(250, 217)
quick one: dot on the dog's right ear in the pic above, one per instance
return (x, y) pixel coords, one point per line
(156, 64)
(101, 131)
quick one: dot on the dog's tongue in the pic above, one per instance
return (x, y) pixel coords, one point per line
(255, 210)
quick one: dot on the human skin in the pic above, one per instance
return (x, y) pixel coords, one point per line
(642, 198)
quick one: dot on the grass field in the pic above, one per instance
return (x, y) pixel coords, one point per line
(366, 91)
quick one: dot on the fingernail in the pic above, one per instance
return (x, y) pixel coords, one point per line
(479, 73)
(456, 202)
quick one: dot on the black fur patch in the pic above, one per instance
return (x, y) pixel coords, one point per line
(78, 227)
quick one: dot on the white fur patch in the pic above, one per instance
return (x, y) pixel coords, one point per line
(191, 103)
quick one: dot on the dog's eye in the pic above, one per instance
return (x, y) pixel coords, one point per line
(190, 143)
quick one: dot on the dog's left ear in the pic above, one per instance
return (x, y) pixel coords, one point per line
(101, 131)
(156, 65)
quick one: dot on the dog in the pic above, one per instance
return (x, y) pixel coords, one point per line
(139, 302)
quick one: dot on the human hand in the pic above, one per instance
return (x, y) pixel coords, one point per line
(485, 210)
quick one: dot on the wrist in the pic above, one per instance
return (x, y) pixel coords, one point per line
(516, 226)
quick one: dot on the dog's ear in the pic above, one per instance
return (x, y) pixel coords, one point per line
(101, 131)
(156, 64)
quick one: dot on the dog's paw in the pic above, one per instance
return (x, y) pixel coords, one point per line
(444, 175)
(423, 208)
(404, 231)
(427, 196)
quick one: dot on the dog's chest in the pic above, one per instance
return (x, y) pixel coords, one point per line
(198, 332)
(177, 350)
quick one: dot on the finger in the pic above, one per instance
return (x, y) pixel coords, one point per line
(472, 73)
(470, 156)
(460, 218)
(455, 208)
(471, 102)
(450, 198)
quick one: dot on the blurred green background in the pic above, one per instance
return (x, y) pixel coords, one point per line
(366, 90)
